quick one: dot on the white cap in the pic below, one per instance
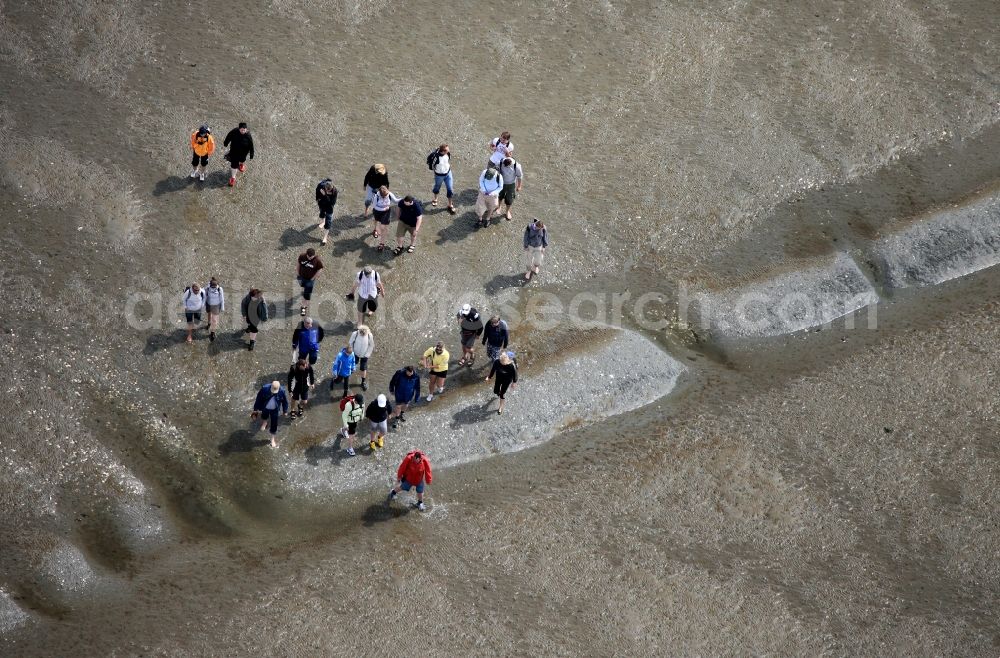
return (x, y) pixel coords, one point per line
(275, 386)
(380, 400)
(466, 308)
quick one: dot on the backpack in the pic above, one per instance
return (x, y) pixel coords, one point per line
(432, 159)
(344, 401)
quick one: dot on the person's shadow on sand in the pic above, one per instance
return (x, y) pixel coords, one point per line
(317, 453)
(293, 237)
(381, 512)
(173, 184)
(503, 281)
(242, 441)
(474, 413)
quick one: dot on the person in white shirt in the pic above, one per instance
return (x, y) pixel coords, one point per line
(362, 341)
(439, 162)
(382, 205)
(194, 303)
(490, 184)
(215, 303)
(367, 287)
(513, 179)
(500, 148)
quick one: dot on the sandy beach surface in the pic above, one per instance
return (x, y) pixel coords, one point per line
(757, 410)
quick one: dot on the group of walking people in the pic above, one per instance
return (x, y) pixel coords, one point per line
(499, 183)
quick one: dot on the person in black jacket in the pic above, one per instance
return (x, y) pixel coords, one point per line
(326, 199)
(495, 336)
(301, 380)
(378, 413)
(254, 311)
(506, 373)
(374, 179)
(240, 145)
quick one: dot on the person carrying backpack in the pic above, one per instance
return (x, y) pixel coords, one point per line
(202, 146)
(301, 380)
(253, 308)
(505, 370)
(495, 337)
(500, 148)
(352, 410)
(240, 144)
(490, 184)
(305, 341)
(405, 387)
(270, 401)
(215, 303)
(439, 162)
(367, 287)
(194, 303)
(362, 342)
(326, 199)
(470, 326)
(342, 369)
(413, 471)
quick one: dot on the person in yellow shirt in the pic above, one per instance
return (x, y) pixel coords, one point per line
(436, 358)
(203, 145)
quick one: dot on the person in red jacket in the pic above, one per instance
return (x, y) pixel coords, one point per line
(414, 471)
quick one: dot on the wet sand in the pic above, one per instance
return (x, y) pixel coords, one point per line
(817, 492)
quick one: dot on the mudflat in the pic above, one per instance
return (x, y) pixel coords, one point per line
(826, 483)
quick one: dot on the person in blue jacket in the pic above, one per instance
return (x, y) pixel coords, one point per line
(495, 337)
(305, 341)
(271, 400)
(405, 386)
(343, 368)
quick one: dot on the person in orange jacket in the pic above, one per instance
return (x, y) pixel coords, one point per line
(203, 145)
(414, 471)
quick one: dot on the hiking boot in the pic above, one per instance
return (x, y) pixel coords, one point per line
(380, 440)
(421, 506)
(351, 452)
(232, 181)
(371, 444)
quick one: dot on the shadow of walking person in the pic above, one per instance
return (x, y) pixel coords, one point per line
(474, 413)
(172, 184)
(381, 512)
(293, 237)
(503, 281)
(241, 441)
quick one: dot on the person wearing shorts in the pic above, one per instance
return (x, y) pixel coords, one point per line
(301, 380)
(374, 179)
(413, 472)
(411, 215)
(326, 199)
(367, 287)
(202, 146)
(354, 411)
(194, 304)
(378, 413)
(382, 205)
(513, 176)
(309, 268)
(470, 326)
(253, 308)
(215, 303)
(362, 342)
(505, 372)
(436, 360)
